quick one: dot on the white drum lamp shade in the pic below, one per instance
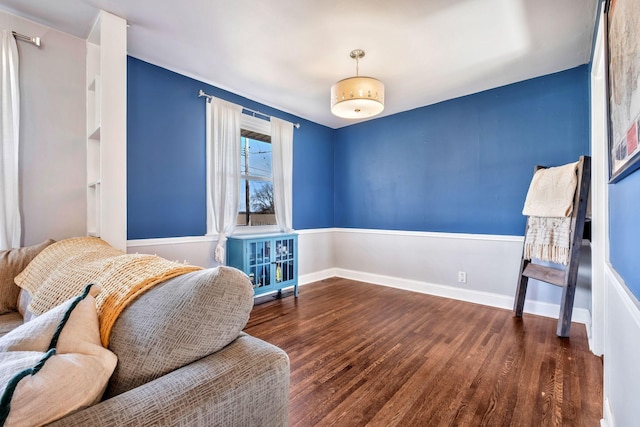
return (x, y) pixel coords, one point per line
(359, 96)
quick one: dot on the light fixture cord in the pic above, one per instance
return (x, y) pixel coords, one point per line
(357, 65)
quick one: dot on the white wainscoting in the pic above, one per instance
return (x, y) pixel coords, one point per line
(194, 250)
(429, 263)
(621, 354)
(315, 254)
(416, 261)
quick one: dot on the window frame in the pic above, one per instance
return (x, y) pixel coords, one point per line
(251, 124)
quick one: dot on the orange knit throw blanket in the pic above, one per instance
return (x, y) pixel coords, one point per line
(63, 269)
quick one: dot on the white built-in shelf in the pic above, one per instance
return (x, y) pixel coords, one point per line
(106, 127)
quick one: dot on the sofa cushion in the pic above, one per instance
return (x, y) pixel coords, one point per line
(177, 322)
(53, 365)
(37, 334)
(12, 262)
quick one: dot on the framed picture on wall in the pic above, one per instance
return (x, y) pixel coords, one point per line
(623, 66)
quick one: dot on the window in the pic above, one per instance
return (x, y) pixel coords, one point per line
(256, 196)
(255, 201)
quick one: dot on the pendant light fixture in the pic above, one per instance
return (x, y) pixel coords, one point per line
(357, 97)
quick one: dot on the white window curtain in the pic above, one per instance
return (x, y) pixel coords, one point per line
(10, 225)
(223, 169)
(282, 164)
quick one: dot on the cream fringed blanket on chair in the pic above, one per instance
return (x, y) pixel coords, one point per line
(63, 269)
(549, 206)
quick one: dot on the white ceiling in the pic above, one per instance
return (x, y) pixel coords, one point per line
(288, 53)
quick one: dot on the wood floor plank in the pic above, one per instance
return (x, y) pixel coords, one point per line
(364, 354)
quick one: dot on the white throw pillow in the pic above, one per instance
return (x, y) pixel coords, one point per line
(59, 364)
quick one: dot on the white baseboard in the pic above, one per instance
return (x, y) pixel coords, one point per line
(580, 315)
(316, 276)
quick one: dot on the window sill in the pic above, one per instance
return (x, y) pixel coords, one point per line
(248, 230)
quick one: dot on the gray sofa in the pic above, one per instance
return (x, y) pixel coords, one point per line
(183, 359)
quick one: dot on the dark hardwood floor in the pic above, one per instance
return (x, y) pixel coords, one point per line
(364, 354)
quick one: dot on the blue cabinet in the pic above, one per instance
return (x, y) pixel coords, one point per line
(270, 260)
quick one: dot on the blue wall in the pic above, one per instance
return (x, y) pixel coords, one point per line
(166, 189)
(458, 166)
(464, 165)
(624, 230)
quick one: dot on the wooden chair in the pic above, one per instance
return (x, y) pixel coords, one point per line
(565, 277)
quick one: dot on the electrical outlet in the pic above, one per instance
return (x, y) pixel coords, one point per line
(462, 277)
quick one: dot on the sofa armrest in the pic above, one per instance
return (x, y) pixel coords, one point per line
(244, 384)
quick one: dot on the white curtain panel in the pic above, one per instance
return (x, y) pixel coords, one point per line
(223, 169)
(10, 225)
(282, 162)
